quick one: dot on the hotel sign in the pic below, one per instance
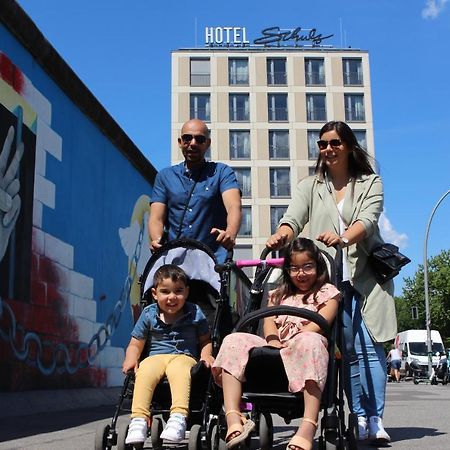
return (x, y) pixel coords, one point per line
(272, 36)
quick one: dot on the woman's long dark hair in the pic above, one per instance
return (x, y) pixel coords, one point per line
(287, 287)
(359, 161)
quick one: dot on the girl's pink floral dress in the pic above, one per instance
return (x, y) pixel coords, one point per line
(305, 356)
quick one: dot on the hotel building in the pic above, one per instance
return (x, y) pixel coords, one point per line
(265, 106)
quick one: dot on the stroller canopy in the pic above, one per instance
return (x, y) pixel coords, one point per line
(195, 258)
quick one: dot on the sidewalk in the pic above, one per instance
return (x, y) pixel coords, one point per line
(35, 402)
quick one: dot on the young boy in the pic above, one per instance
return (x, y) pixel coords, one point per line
(176, 331)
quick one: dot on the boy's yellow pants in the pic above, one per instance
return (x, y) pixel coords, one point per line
(177, 369)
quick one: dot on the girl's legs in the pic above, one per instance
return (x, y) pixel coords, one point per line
(311, 395)
(232, 391)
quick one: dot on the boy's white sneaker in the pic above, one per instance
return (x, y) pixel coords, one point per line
(377, 433)
(175, 429)
(363, 432)
(137, 431)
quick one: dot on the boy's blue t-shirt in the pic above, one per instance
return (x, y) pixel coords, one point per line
(180, 337)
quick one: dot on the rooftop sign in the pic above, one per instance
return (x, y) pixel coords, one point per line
(272, 36)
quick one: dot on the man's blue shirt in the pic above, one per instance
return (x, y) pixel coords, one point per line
(206, 209)
(180, 337)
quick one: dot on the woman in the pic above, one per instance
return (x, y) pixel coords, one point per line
(342, 204)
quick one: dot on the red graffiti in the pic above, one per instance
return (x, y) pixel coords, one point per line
(11, 74)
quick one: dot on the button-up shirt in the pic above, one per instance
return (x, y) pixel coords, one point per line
(180, 337)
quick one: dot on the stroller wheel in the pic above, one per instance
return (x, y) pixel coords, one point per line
(265, 431)
(155, 433)
(195, 437)
(101, 437)
(122, 431)
(217, 443)
(352, 431)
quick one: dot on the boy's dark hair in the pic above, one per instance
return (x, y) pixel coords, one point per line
(287, 287)
(171, 271)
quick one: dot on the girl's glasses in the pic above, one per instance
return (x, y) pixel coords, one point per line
(306, 268)
(322, 144)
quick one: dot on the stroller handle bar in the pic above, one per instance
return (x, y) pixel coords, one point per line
(271, 262)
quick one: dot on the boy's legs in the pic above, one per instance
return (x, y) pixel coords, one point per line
(178, 373)
(148, 375)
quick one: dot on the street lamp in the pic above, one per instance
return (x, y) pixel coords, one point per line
(425, 282)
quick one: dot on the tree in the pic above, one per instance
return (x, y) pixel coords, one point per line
(438, 293)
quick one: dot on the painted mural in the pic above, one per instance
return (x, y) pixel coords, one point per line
(73, 238)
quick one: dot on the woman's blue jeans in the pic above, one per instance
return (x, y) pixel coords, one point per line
(364, 360)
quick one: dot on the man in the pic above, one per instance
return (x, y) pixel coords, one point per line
(196, 199)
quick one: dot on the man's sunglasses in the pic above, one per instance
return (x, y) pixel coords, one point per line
(199, 138)
(333, 143)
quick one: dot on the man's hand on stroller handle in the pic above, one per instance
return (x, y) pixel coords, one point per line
(224, 238)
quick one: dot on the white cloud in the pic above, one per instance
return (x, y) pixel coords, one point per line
(389, 234)
(433, 8)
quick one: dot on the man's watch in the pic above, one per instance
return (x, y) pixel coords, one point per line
(345, 241)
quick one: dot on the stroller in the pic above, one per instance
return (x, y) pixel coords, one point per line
(269, 394)
(209, 290)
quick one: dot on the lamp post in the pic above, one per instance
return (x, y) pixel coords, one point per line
(425, 282)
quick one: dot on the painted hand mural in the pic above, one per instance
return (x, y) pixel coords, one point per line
(9, 189)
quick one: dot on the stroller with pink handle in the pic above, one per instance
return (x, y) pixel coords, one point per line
(268, 394)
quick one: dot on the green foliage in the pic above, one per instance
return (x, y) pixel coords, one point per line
(438, 294)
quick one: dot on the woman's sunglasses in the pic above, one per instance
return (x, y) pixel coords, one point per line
(199, 138)
(333, 143)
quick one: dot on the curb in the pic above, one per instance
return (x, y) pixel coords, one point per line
(35, 402)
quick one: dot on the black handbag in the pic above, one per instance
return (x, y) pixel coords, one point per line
(386, 262)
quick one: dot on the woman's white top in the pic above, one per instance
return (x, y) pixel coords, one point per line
(342, 227)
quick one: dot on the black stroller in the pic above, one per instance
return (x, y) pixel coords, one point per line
(209, 290)
(268, 393)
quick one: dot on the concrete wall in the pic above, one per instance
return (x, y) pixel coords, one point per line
(73, 205)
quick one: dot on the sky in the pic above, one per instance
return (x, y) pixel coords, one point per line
(122, 52)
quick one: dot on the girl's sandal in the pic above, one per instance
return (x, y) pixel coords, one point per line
(244, 428)
(299, 442)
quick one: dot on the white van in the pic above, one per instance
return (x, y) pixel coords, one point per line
(413, 345)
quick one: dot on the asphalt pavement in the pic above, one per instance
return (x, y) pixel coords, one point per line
(416, 417)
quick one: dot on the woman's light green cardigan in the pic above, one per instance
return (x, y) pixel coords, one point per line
(313, 210)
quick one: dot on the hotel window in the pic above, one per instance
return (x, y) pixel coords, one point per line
(313, 149)
(200, 107)
(352, 71)
(243, 175)
(239, 107)
(316, 110)
(361, 138)
(280, 185)
(276, 213)
(278, 144)
(278, 108)
(238, 71)
(239, 144)
(354, 108)
(276, 71)
(246, 223)
(314, 72)
(200, 72)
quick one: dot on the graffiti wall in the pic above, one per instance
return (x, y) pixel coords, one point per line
(74, 195)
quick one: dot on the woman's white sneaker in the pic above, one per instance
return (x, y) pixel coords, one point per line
(377, 433)
(363, 432)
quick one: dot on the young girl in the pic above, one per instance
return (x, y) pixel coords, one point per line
(303, 349)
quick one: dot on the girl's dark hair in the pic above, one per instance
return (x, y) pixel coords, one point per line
(359, 161)
(287, 287)
(171, 271)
